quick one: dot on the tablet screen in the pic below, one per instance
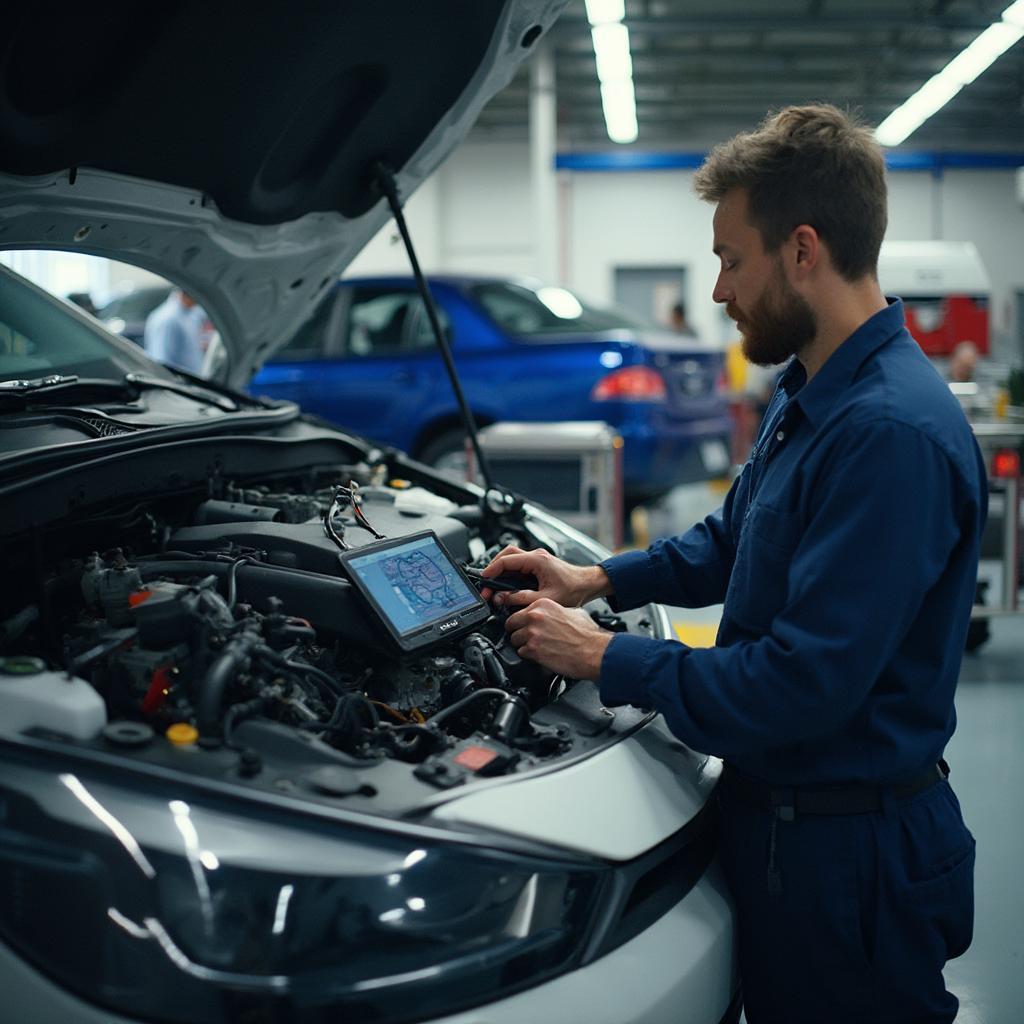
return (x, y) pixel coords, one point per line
(414, 585)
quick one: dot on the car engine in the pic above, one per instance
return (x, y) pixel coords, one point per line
(222, 624)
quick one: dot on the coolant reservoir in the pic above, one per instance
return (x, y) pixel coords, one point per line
(33, 696)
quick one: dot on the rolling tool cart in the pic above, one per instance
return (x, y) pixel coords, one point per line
(1001, 443)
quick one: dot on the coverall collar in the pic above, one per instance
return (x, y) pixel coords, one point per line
(818, 397)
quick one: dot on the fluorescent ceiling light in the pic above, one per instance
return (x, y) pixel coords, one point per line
(611, 48)
(619, 104)
(1014, 14)
(963, 69)
(601, 11)
(932, 96)
(988, 47)
(614, 68)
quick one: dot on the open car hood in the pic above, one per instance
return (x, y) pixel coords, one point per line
(233, 152)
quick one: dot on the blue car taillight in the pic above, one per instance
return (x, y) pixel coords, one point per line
(634, 383)
(151, 907)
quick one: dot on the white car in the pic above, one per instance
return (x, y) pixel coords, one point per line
(264, 752)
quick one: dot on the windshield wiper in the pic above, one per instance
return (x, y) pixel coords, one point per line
(19, 394)
(21, 386)
(198, 392)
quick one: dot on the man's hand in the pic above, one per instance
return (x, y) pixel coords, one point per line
(558, 581)
(563, 640)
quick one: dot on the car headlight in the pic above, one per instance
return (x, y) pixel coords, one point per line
(152, 907)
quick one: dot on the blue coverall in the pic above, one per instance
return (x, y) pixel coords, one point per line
(846, 556)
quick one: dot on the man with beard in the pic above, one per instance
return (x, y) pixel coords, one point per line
(846, 556)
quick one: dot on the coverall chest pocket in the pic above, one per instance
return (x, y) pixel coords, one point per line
(759, 584)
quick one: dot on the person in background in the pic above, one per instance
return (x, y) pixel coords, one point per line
(963, 363)
(173, 333)
(679, 323)
(845, 556)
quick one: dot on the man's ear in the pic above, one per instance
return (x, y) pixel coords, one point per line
(805, 249)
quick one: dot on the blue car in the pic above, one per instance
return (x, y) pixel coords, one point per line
(367, 360)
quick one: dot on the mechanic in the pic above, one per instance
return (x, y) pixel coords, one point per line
(173, 333)
(846, 556)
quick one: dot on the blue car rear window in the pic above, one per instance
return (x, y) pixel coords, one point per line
(521, 310)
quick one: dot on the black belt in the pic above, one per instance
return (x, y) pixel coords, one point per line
(789, 802)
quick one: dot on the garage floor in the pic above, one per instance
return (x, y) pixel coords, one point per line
(986, 755)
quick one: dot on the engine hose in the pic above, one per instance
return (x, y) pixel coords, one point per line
(233, 579)
(325, 683)
(495, 670)
(510, 718)
(218, 677)
(453, 709)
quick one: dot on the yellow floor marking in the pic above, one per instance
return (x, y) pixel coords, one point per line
(696, 634)
(720, 485)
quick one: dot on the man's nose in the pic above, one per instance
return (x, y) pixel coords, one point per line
(721, 292)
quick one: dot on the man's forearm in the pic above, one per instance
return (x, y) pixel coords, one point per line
(593, 582)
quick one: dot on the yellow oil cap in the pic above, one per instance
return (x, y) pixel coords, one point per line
(182, 734)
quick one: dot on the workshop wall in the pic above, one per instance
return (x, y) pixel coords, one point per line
(475, 215)
(653, 218)
(982, 207)
(977, 206)
(643, 219)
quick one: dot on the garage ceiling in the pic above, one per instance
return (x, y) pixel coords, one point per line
(705, 69)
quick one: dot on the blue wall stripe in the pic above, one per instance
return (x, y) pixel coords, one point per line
(895, 160)
(628, 160)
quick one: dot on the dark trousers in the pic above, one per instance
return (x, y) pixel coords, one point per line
(859, 914)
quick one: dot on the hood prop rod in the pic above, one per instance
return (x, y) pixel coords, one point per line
(386, 184)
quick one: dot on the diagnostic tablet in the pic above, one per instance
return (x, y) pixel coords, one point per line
(415, 589)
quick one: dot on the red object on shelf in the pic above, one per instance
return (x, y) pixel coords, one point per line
(939, 324)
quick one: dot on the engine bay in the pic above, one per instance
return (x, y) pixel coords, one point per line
(217, 634)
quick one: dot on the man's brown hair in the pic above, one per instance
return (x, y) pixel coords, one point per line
(807, 165)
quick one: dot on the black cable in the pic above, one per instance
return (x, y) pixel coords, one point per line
(220, 674)
(356, 501)
(238, 712)
(406, 747)
(329, 526)
(278, 660)
(233, 578)
(342, 719)
(347, 496)
(453, 709)
(301, 668)
(362, 521)
(332, 723)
